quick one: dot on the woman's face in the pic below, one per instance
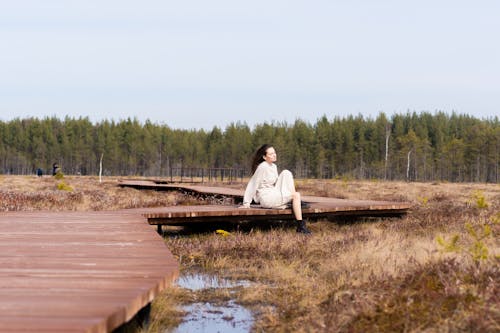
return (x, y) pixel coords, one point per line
(270, 156)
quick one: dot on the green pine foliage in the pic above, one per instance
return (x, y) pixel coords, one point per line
(476, 242)
(420, 147)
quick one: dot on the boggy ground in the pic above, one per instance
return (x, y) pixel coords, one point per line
(26, 193)
(435, 270)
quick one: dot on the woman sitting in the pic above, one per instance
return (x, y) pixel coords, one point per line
(271, 190)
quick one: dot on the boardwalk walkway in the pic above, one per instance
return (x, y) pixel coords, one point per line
(78, 271)
(93, 271)
(319, 207)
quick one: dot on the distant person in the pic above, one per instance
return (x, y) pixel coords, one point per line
(271, 190)
(39, 172)
(55, 169)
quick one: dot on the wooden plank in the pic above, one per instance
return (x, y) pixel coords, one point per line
(200, 189)
(29, 323)
(319, 207)
(222, 213)
(238, 193)
(78, 271)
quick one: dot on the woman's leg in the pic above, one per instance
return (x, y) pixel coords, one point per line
(286, 185)
(296, 205)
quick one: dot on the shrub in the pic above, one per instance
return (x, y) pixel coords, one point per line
(62, 186)
(59, 175)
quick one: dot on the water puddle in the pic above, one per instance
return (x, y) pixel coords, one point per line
(197, 282)
(207, 317)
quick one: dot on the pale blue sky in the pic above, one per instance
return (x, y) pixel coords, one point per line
(199, 64)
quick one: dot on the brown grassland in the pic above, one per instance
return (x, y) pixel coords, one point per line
(435, 270)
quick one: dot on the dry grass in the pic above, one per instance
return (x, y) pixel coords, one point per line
(398, 191)
(385, 275)
(388, 275)
(23, 193)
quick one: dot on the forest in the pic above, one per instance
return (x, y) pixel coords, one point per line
(411, 146)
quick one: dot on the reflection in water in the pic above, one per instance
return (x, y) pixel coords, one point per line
(202, 281)
(206, 317)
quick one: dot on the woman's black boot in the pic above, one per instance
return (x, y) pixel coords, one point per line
(301, 227)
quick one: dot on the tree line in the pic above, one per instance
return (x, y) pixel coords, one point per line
(412, 146)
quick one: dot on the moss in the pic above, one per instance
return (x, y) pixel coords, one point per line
(62, 186)
(419, 301)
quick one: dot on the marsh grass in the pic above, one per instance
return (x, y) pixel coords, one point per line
(78, 193)
(382, 275)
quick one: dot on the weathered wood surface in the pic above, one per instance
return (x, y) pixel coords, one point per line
(319, 207)
(78, 271)
(200, 189)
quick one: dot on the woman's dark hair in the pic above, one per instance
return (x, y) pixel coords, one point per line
(258, 156)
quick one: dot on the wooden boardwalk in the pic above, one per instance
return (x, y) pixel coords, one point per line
(78, 271)
(319, 207)
(94, 271)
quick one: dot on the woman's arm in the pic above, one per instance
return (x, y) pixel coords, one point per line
(252, 187)
(250, 192)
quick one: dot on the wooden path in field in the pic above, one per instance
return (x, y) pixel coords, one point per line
(94, 271)
(319, 207)
(78, 271)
